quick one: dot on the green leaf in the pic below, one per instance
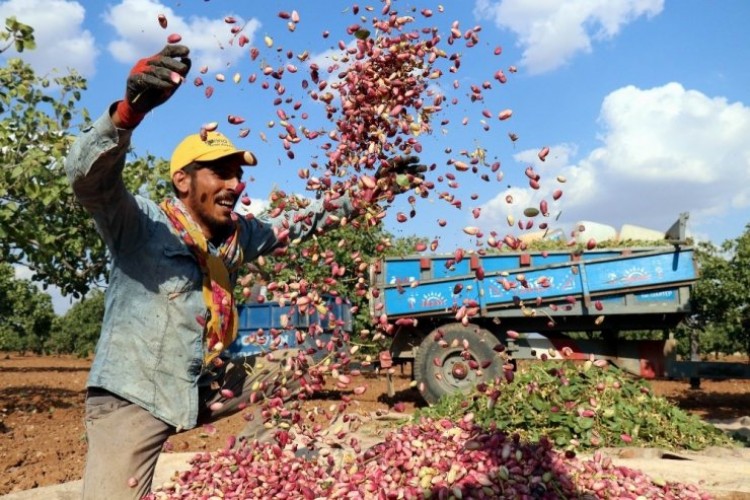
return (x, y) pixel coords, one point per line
(402, 180)
(16, 172)
(538, 403)
(584, 423)
(362, 34)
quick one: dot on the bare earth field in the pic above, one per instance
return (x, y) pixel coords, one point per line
(41, 416)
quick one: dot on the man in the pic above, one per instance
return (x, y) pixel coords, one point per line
(160, 364)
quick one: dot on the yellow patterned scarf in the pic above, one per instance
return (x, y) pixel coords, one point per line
(220, 328)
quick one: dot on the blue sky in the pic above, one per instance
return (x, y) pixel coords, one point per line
(644, 104)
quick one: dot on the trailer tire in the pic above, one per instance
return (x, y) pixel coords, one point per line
(451, 372)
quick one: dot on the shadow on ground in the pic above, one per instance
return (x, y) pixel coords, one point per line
(713, 405)
(39, 399)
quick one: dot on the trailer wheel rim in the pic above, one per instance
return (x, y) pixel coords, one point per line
(439, 366)
(459, 371)
(455, 371)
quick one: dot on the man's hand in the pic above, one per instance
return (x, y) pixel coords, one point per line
(400, 175)
(151, 82)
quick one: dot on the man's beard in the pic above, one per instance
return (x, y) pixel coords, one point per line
(219, 228)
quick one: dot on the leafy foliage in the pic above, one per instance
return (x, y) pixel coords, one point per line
(41, 223)
(333, 262)
(18, 35)
(26, 314)
(148, 176)
(572, 246)
(77, 331)
(404, 246)
(578, 405)
(720, 299)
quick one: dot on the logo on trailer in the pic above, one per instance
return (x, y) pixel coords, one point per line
(633, 275)
(433, 299)
(412, 301)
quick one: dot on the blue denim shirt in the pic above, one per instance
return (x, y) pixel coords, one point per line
(150, 350)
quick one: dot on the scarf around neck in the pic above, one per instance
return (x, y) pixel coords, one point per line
(221, 322)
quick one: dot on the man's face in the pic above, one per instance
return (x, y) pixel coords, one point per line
(212, 194)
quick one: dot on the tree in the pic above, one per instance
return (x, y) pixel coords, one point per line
(405, 245)
(334, 262)
(41, 223)
(720, 301)
(77, 331)
(26, 314)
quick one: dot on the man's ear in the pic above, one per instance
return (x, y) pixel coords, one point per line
(182, 182)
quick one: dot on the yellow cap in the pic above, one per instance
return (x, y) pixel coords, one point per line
(215, 146)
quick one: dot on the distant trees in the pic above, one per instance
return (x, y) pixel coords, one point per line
(28, 322)
(721, 297)
(26, 314)
(78, 330)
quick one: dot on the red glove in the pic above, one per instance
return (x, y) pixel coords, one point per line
(151, 82)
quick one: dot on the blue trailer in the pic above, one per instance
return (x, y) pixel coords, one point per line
(448, 313)
(268, 326)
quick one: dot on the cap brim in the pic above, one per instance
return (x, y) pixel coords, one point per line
(245, 157)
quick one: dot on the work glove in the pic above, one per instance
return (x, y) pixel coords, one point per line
(151, 82)
(399, 175)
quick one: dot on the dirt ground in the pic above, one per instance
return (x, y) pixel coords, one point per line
(41, 415)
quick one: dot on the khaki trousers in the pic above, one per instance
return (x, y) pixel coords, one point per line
(125, 440)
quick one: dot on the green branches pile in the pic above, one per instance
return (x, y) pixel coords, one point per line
(580, 406)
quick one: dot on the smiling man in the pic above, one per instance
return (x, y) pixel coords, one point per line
(160, 364)
(207, 176)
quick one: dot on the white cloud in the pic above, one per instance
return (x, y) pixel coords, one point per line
(329, 57)
(664, 151)
(61, 41)
(138, 34)
(256, 207)
(332, 62)
(515, 199)
(551, 33)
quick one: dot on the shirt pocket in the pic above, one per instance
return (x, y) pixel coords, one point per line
(178, 271)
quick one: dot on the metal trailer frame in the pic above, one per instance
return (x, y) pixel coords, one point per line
(605, 290)
(267, 326)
